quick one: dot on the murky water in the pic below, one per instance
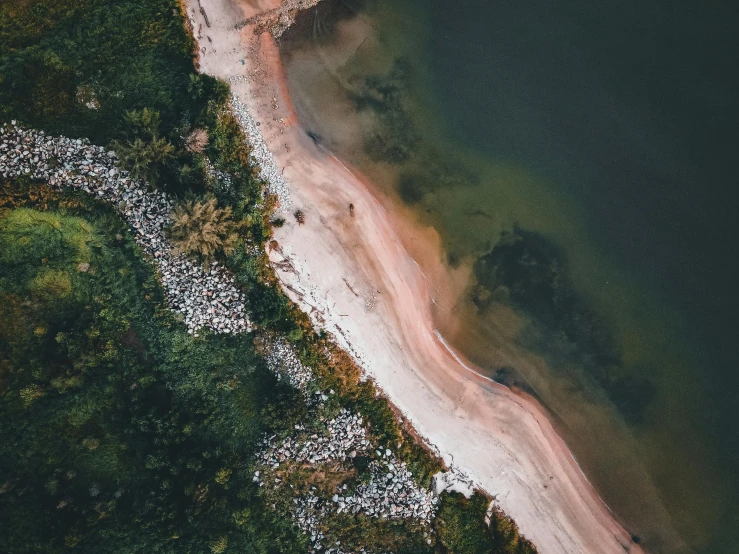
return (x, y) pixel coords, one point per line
(601, 138)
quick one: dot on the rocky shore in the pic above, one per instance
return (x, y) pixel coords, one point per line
(388, 490)
(268, 170)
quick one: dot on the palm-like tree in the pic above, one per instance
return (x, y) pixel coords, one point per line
(147, 153)
(143, 123)
(196, 86)
(203, 229)
(142, 159)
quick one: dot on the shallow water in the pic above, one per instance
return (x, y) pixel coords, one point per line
(606, 129)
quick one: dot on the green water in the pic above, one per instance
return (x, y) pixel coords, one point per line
(607, 131)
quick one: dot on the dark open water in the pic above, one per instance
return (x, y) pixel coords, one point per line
(604, 134)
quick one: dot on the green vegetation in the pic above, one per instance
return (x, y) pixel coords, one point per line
(203, 229)
(530, 271)
(76, 66)
(461, 527)
(147, 153)
(122, 432)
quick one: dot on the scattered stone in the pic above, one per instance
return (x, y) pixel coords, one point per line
(206, 299)
(283, 361)
(268, 170)
(390, 493)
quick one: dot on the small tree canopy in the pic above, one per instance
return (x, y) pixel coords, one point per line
(203, 229)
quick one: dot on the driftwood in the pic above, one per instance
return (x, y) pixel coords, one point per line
(205, 15)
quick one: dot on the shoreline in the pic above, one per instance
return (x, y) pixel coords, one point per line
(377, 303)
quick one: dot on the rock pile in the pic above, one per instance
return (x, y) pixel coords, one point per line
(206, 299)
(389, 493)
(345, 440)
(308, 514)
(283, 362)
(268, 170)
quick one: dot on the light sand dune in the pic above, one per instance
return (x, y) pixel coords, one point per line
(356, 279)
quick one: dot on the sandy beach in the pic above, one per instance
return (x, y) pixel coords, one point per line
(356, 279)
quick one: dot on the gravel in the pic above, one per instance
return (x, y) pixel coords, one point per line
(283, 362)
(206, 299)
(268, 170)
(390, 492)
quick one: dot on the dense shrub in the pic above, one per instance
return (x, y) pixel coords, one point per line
(462, 529)
(122, 431)
(77, 67)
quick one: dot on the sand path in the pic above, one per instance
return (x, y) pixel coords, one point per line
(356, 279)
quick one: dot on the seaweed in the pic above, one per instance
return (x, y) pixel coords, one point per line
(532, 273)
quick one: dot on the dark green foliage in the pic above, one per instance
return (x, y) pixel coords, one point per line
(505, 535)
(532, 272)
(356, 532)
(124, 433)
(461, 528)
(144, 159)
(460, 524)
(125, 55)
(267, 305)
(145, 154)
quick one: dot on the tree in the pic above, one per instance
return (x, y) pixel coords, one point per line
(143, 123)
(196, 86)
(144, 159)
(203, 229)
(147, 153)
(196, 141)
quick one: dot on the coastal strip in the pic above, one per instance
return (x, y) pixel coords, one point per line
(390, 491)
(350, 272)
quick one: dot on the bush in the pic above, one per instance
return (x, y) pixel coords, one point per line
(128, 54)
(124, 433)
(201, 228)
(461, 527)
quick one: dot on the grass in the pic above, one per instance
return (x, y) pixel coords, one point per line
(123, 431)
